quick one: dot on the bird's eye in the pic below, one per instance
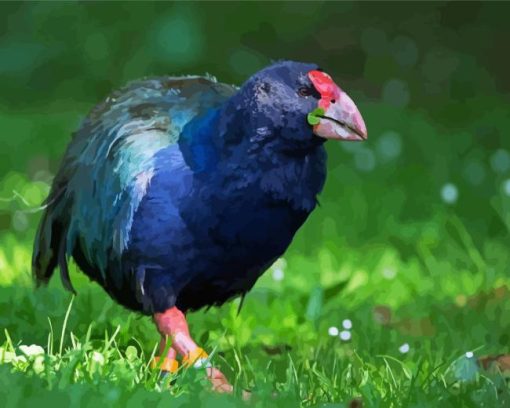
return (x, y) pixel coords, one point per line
(304, 91)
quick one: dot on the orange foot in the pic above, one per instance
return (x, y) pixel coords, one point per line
(172, 324)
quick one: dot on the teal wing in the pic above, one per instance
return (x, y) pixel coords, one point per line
(109, 165)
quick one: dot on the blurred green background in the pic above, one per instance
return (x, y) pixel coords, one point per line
(444, 64)
(416, 219)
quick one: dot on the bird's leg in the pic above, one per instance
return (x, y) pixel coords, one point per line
(167, 363)
(173, 323)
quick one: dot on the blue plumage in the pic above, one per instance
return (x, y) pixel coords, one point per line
(182, 191)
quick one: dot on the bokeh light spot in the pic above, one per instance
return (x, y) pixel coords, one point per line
(19, 221)
(404, 51)
(500, 161)
(178, 39)
(396, 93)
(389, 145)
(449, 193)
(374, 41)
(506, 187)
(474, 172)
(365, 160)
(439, 64)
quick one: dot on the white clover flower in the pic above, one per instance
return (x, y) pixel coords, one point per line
(404, 348)
(98, 358)
(19, 359)
(32, 350)
(469, 354)
(278, 274)
(279, 269)
(6, 356)
(345, 335)
(389, 273)
(38, 365)
(333, 331)
(347, 324)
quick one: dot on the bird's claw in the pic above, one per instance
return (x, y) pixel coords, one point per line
(220, 383)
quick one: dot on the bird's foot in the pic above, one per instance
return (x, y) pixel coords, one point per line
(172, 324)
(218, 381)
(198, 358)
(167, 365)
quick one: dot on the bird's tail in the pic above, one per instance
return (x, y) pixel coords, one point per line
(50, 244)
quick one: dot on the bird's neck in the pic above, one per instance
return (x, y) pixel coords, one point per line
(229, 144)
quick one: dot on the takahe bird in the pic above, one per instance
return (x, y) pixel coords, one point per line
(179, 192)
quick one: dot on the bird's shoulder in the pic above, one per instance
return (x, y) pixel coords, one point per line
(112, 158)
(150, 97)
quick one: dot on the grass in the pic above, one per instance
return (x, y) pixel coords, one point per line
(89, 351)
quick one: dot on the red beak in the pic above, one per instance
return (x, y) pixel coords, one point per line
(341, 119)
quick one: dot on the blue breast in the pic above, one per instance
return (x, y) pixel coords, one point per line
(207, 232)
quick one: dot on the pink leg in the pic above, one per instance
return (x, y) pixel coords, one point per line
(173, 323)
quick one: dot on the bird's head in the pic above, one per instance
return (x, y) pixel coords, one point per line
(301, 104)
